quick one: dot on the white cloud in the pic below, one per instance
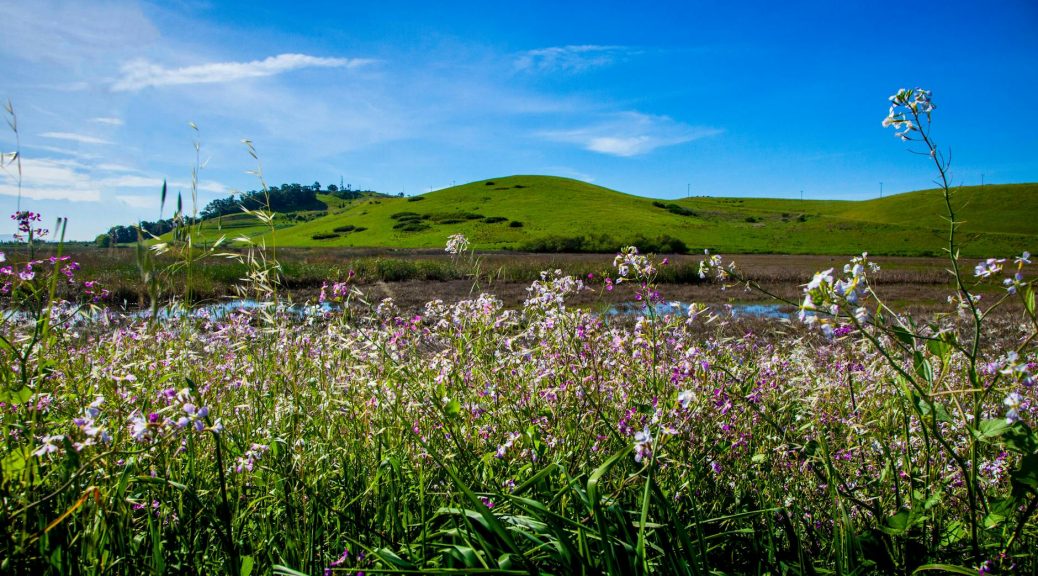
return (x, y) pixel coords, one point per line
(46, 179)
(570, 58)
(155, 183)
(109, 120)
(114, 167)
(138, 201)
(73, 137)
(71, 34)
(630, 134)
(140, 74)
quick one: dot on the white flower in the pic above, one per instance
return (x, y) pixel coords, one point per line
(685, 398)
(50, 445)
(820, 278)
(456, 244)
(1014, 402)
(642, 441)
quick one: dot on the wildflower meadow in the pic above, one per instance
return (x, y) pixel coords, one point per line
(470, 437)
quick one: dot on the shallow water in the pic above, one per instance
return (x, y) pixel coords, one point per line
(773, 311)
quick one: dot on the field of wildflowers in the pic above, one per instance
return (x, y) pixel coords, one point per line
(470, 437)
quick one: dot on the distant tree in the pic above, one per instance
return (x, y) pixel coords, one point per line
(333, 188)
(316, 187)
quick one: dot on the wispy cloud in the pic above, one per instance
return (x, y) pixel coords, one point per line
(73, 137)
(108, 120)
(570, 58)
(630, 134)
(140, 74)
(138, 201)
(52, 180)
(155, 183)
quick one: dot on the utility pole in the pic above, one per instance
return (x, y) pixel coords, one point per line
(688, 190)
(801, 195)
(982, 181)
(880, 189)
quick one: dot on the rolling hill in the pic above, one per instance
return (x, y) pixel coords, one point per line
(546, 213)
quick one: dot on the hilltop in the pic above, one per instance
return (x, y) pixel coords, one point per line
(545, 213)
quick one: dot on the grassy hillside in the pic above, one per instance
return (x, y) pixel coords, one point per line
(524, 212)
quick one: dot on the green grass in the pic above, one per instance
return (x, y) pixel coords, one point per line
(904, 224)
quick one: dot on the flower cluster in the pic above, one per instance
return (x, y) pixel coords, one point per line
(830, 295)
(715, 267)
(992, 267)
(90, 426)
(336, 291)
(246, 462)
(906, 109)
(26, 229)
(456, 244)
(630, 264)
(182, 413)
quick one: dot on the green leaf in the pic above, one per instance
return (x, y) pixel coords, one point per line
(953, 533)
(1027, 473)
(923, 367)
(950, 568)
(991, 429)
(1029, 300)
(904, 336)
(898, 523)
(16, 396)
(942, 346)
(453, 408)
(939, 410)
(247, 562)
(1020, 438)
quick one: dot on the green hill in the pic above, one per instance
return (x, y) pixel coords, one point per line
(546, 213)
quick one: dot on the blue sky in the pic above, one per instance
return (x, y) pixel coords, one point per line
(751, 99)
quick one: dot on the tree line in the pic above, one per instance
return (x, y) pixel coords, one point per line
(285, 198)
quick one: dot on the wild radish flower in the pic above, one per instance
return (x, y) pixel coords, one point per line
(642, 444)
(503, 449)
(685, 398)
(1014, 402)
(247, 461)
(989, 267)
(628, 260)
(456, 244)
(51, 444)
(905, 104)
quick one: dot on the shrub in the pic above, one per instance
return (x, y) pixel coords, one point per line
(325, 236)
(411, 226)
(346, 228)
(453, 217)
(393, 270)
(494, 219)
(515, 224)
(673, 208)
(416, 198)
(406, 216)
